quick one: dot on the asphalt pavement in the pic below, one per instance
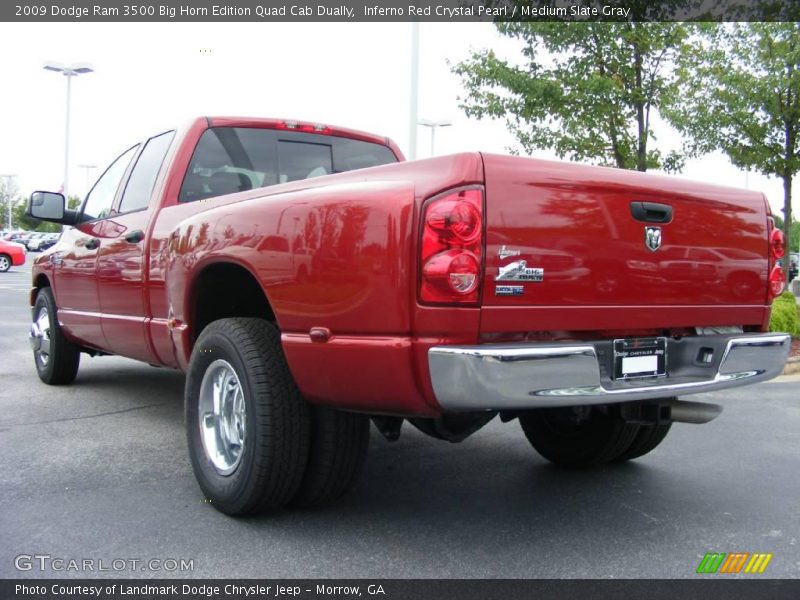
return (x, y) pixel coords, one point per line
(99, 471)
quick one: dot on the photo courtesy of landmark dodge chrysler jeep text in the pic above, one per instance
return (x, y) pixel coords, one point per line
(309, 281)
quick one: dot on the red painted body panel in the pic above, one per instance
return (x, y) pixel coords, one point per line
(340, 252)
(363, 373)
(120, 276)
(353, 251)
(575, 222)
(75, 284)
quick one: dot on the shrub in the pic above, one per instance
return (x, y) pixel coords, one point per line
(785, 317)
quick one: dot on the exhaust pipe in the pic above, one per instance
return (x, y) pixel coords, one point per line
(682, 411)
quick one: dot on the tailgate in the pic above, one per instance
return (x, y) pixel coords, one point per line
(568, 235)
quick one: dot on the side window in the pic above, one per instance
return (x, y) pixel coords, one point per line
(235, 159)
(143, 177)
(229, 160)
(100, 199)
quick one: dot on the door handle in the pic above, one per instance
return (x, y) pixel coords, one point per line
(651, 212)
(134, 237)
(92, 244)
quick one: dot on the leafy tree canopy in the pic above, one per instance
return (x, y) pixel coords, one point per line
(741, 85)
(587, 90)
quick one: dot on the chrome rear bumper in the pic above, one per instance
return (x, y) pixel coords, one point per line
(521, 376)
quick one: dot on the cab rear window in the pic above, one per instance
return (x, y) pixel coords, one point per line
(236, 159)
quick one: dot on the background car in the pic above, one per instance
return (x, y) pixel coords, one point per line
(23, 239)
(33, 240)
(11, 254)
(14, 236)
(32, 243)
(794, 264)
(7, 234)
(42, 241)
(51, 239)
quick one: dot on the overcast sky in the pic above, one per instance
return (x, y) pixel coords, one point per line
(151, 77)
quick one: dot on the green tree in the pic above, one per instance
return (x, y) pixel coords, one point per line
(742, 90)
(8, 194)
(587, 90)
(794, 235)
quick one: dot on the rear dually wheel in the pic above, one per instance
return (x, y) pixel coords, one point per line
(578, 437)
(247, 426)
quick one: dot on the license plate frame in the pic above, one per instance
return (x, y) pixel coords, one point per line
(640, 358)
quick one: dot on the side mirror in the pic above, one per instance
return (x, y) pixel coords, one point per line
(50, 206)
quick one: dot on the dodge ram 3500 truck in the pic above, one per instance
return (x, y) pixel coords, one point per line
(307, 280)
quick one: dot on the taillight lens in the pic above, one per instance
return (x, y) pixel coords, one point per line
(453, 270)
(456, 219)
(776, 244)
(452, 247)
(777, 281)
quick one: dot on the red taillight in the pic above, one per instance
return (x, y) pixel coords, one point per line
(777, 281)
(776, 244)
(453, 270)
(452, 247)
(455, 218)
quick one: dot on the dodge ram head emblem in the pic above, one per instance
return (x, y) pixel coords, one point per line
(652, 238)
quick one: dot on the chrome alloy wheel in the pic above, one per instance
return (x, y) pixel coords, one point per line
(5, 263)
(40, 337)
(222, 417)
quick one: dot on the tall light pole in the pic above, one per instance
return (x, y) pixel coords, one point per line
(69, 72)
(8, 179)
(414, 99)
(433, 125)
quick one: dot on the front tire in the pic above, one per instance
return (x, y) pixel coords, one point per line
(5, 263)
(247, 425)
(56, 358)
(578, 437)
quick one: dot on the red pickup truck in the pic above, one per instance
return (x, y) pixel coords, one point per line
(307, 280)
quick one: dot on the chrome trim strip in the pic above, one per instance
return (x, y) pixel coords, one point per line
(514, 376)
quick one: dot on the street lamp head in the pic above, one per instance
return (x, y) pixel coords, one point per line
(68, 71)
(429, 123)
(53, 66)
(82, 68)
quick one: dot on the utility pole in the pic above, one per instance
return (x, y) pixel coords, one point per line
(412, 118)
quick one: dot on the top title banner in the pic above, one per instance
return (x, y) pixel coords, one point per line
(393, 11)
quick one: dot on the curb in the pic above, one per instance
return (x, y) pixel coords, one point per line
(792, 366)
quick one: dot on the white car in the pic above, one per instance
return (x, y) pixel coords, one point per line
(35, 241)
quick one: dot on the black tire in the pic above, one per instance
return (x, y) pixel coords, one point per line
(646, 440)
(5, 263)
(56, 358)
(339, 444)
(274, 450)
(597, 439)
